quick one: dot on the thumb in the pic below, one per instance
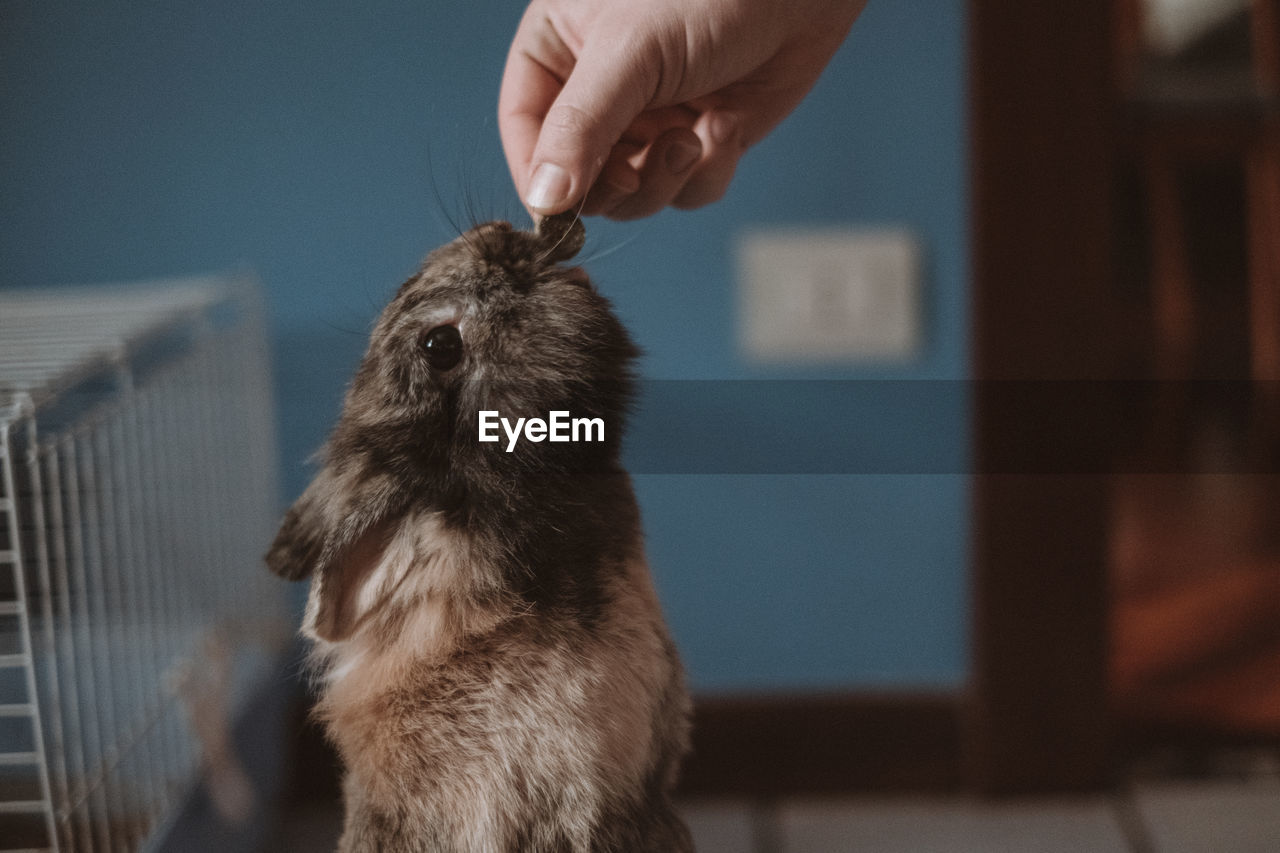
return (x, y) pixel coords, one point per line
(605, 91)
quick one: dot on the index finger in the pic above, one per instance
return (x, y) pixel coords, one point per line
(529, 88)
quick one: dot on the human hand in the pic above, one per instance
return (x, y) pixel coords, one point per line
(651, 103)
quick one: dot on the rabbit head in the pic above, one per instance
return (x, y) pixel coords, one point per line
(492, 322)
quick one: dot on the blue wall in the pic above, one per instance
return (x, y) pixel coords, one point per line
(327, 145)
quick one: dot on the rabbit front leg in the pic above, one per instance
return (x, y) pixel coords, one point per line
(342, 502)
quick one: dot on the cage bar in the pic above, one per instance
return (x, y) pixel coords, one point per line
(137, 493)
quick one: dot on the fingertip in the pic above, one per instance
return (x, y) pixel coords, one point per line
(721, 135)
(700, 195)
(706, 186)
(667, 165)
(618, 181)
(722, 128)
(681, 153)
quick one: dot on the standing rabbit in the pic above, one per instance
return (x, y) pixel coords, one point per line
(494, 666)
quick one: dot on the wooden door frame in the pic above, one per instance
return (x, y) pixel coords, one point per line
(1042, 137)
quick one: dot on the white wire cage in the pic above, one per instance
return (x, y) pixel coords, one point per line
(137, 493)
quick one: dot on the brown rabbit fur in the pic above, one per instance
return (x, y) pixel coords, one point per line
(494, 667)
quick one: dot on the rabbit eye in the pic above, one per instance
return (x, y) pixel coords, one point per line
(443, 346)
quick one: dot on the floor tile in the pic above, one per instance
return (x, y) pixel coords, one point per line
(719, 826)
(950, 826)
(1211, 817)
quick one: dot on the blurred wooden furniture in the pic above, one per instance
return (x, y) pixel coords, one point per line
(1195, 564)
(1174, 117)
(1196, 603)
(1058, 99)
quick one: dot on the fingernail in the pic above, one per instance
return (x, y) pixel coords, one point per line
(721, 127)
(682, 155)
(549, 188)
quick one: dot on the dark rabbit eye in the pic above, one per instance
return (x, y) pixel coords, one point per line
(443, 346)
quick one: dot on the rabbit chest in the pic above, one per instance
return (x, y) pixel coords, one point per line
(475, 713)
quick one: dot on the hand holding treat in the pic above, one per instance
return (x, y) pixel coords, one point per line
(629, 107)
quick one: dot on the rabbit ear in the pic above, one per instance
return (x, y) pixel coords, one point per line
(346, 589)
(301, 539)
(335, 531)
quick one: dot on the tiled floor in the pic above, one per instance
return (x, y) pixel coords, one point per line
(1181, 818)
(1215, 817)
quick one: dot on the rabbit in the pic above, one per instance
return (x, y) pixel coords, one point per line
(494, 667)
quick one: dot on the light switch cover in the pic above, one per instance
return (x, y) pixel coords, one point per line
(829, 296)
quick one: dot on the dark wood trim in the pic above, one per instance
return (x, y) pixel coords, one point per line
(1042, 127)
(786, 745)
(1265, 33)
